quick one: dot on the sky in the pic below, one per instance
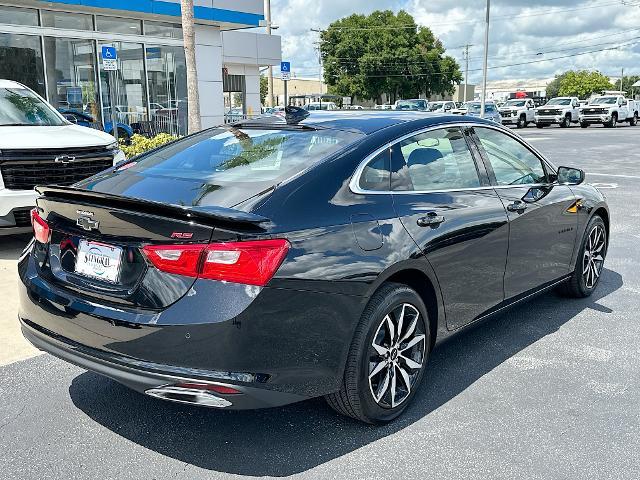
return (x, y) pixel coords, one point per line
(525, 32)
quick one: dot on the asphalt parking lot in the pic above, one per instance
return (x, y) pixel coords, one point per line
(549, 390)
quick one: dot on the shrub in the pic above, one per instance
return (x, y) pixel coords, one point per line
(140, 144)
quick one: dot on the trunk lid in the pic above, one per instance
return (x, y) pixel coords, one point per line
(109, 232)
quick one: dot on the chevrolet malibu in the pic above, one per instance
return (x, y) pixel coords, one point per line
(312, 254)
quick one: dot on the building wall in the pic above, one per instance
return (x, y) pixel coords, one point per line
(298, 86)
(209, 67)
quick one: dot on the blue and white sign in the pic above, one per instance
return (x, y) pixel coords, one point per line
(109, 58)
(109, 52)
(285, 70)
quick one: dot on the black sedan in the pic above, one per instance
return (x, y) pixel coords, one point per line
(315, 254)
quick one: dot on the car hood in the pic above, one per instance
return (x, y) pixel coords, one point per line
(63, 136)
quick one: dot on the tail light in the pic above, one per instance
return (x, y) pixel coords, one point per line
(250, 263)
(41, 228)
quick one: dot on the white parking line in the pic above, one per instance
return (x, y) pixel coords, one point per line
(613, 175)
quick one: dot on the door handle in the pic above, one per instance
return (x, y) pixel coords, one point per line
(430, 220)
(517, 206)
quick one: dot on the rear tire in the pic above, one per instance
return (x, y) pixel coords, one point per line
(634, 120)
(389, 366)
(589, 262)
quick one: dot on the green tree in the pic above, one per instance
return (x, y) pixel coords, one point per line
(366, 56)
(583, 83)
(553, 87)
(627, 82)
(264, 89)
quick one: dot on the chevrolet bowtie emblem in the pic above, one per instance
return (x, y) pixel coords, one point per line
(87, 223)
(64, 159)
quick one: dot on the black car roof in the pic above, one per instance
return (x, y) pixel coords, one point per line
(365, 121)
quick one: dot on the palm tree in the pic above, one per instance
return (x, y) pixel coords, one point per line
(193, 97)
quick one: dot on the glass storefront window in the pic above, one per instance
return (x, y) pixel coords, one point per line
(72, 21)
(71, 77)
(163, 30)
(167, 71)
(19, 16)
(118, 25)
(129, 88)
(21, 60)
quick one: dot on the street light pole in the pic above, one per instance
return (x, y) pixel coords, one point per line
(486, 58)
(267, 16)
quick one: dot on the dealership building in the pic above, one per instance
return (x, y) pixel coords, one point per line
(55, 48)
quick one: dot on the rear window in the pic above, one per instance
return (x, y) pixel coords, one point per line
(260, 157)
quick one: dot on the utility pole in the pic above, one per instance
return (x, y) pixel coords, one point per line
(486, 59)
(621, 77)
(267, 16)
(466, 71)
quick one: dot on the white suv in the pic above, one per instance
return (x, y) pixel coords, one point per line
(39, 147)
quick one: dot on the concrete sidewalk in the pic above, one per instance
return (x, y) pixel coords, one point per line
(13, 346)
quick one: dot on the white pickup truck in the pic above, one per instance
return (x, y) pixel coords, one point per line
(561, 110)
(608, 110)
(520, 111)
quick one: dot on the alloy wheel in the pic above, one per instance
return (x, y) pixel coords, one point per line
(396, 355)
(593, 258)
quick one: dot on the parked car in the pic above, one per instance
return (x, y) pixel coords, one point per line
(321, 106)
(383, 107)
(39, 147)
(416, 104)
(518, 111)
(490, 111)
(607, 110)
(354, 107)
(460, 109)
(264, 263)
(442, 106)
(125, 132)
(562, 111)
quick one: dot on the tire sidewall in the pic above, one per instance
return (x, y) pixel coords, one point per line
(596, 220)
(374, 412)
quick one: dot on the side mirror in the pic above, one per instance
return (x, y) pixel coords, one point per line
(570, 176)
(71, 118)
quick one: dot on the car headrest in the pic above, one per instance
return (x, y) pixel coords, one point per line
(423, 156)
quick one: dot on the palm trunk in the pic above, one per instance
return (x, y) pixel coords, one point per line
(193, 97)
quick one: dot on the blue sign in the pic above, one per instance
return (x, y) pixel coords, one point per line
(153, 53)
(109, 53)
(285, 67)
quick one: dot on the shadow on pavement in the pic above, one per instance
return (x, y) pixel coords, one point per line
(11, 246)
(288, 440)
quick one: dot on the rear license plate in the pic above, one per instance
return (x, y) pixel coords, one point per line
(98, 260)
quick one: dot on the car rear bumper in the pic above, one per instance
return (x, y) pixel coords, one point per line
(156, 377)
(289, 342)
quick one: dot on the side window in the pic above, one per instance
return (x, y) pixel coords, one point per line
(512, 162)
(435, 160)
(375, 175)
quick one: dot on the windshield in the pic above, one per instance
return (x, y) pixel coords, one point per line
(408, 103)
(515, 103)
(20, 106)
(475, 108)
(559, 101)
(251, 159)
(605, 100)
(436, 106)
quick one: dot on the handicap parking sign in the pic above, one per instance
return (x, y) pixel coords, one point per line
(109, 53)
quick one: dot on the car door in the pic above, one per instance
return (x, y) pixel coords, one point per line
(443, 198)
(542, 223)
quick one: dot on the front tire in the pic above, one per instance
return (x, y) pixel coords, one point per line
(522, 122)
(589, 263)
(387, 358)
(584, 125)
(566, 121)
(613, 122)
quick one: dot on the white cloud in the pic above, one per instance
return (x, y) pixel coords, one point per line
(512, 40)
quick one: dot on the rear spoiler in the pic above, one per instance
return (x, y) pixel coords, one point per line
(209, 215)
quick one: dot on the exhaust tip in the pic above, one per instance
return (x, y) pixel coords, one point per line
(193, 394)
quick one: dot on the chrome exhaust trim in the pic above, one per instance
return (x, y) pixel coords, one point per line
(191, 396)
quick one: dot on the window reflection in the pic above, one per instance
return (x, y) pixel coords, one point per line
(130, 92)
(19, 16)
(167, 71)
(71, 76)
(21, 60)
(72, 21)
